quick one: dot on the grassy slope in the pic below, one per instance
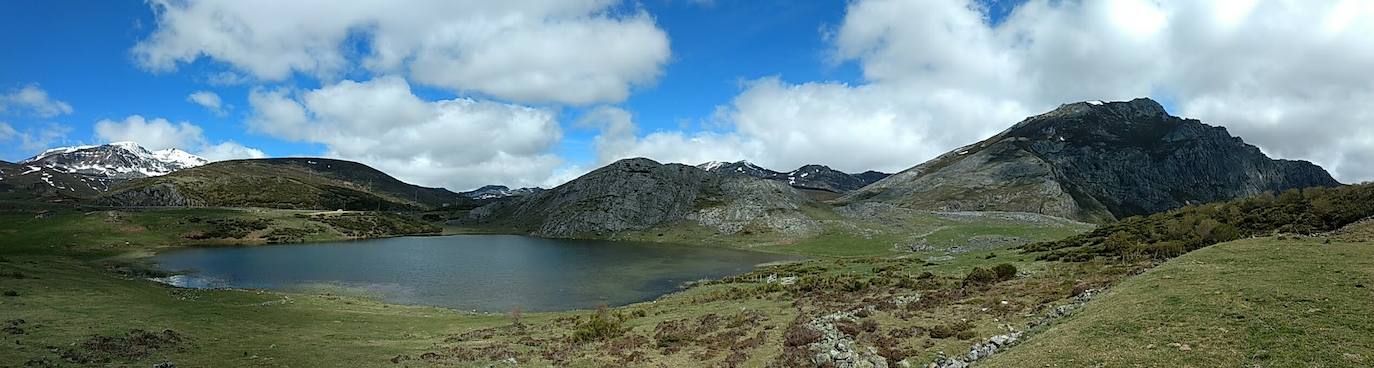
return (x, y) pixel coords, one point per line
(68, 294)
(868, 237)
(66, 302)
(1258, 302)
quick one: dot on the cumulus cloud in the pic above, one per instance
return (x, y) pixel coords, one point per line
(32, 139)
(458, 143)
(1290, 77)
(208, 100)
(32, 101)
(229, 150)
(159, 134)
(7, 132)
(155, 134)
(533, 51)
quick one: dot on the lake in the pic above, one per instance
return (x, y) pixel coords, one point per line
(490, 273)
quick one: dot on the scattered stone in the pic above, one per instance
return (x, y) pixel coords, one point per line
(839, 350)
(992, 345)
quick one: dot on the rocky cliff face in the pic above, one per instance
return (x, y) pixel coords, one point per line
(639, 194)
(1095, 161)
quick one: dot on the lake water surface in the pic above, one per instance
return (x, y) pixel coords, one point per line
(491, 273)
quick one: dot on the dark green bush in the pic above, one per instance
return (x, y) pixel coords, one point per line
(1004, 271)
(980, 276)
(600, 326)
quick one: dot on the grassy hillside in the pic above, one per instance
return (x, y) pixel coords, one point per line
(1251, 303)
(1169, 234)
(888, 283)
(289, 183)
(47, 230)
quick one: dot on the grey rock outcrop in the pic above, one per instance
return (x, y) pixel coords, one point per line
(156, 195)
(1095, 162)
(639, 194)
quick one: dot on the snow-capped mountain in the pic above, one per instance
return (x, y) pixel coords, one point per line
(119, 160)
(744, 168)
(817, 177)
(499, 191)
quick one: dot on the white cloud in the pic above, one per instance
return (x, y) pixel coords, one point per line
(33, 140)
(564, 51)
(153, 134)
(1290, 77)
(32, 101)
(229, 150)
(458, 143)
(7, 132)
(159, 134)
(208, 100)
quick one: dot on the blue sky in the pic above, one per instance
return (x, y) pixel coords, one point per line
(79, 52)
(460, 94)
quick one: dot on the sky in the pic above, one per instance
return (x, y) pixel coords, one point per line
(459, 94)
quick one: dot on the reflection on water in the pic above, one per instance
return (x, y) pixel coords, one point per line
(493, 273)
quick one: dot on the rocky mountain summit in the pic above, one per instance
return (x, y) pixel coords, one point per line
(639, 194)
(815, 177)
(498, 192)
(1094, 161)
(119, 160)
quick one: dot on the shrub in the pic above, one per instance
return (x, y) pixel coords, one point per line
(800, 335)
(1004, 271)
(869, 325)
(950, 330)
(980, 276)
(599, 326)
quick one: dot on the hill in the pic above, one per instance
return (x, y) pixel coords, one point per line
(1310, 211)
(19, 181)
(639, 194)
(1257, 302)
(1096, 162)
(291, 183)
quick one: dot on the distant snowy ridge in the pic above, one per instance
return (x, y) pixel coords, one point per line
(118, 160)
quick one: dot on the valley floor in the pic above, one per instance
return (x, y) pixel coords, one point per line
(72, 299)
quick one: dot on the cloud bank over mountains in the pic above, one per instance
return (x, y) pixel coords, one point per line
(1291, 77)
(1287, 76)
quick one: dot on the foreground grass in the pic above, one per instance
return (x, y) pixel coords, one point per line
(1250, 303)
(64, 304)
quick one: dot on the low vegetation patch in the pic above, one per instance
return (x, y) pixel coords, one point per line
(374, 224)
(134, 344)
(1170, 234)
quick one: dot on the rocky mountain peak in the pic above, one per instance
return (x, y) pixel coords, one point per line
(498, 191)
(1095, 161)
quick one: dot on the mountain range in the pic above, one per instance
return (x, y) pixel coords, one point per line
(296, 183)
(812, 177)
(84, 171)
(1090, 161)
